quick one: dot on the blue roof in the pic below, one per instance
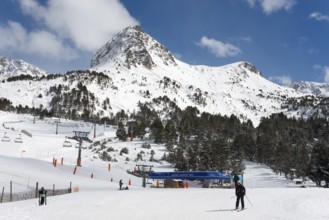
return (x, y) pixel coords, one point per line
(189, 175)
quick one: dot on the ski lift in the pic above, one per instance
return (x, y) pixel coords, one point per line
(77, 145)
(5, 138)
(67, 143)
(19, 139)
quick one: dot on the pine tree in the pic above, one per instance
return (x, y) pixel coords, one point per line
(170, 134)
(192, 159)
(180, 163)
(157, 130)
(121, 132)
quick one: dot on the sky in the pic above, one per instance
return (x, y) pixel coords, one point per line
(285, 39)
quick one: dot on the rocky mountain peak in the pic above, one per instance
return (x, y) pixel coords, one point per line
(10, 68)
(250, 67)
(133, 47)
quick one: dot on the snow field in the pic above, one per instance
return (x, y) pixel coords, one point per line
(272, 196)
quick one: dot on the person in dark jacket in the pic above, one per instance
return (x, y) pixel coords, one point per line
(120, 184)
(235, 180)
(42, 196)
(240, 192)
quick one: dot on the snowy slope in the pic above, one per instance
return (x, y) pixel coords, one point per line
(208, 204)
(269, 196)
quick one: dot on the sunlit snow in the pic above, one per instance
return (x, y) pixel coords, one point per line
(268, 196)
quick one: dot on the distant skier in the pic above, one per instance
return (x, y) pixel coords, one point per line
(236, 178)
(240, 192)
(42, 196)
(120, 184)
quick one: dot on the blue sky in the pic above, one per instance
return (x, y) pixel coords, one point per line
(285, 39)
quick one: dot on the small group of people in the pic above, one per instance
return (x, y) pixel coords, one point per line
(240, 192)
(121, 185)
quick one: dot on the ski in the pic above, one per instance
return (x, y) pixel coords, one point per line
(238, 209)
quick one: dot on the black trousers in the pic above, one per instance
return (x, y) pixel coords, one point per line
(238, 200)
(42, 200)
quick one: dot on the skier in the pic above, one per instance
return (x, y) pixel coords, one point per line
(236, 179)
(42, 196)
(240, 192)
(120, 184)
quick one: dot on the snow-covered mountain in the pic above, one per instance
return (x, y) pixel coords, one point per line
(140, 64)
(318, 89)
(132, 47)
(133, 67)
(12, 68)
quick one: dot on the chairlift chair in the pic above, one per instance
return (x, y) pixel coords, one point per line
(67, 143)
(5, 138)
(19, 139)
(77, 145)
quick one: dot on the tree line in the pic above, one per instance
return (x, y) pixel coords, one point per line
(196, 141)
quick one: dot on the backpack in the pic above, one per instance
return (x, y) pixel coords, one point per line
(240, 191)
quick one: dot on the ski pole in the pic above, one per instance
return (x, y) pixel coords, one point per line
(249, 201)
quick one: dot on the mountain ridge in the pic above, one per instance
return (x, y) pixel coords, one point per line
(134, 68)
(12, 68)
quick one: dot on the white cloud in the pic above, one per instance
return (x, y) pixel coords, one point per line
(326, 74)
(88, 24)
(54, 47)
(319, 16)
(324, 70)
(317, 67)
(241, 39)
(271, 6)
(246, 39)
(42, 43)
(63, 29)
(11, 35)
(283, 80)
(178, 56)
(218, 48)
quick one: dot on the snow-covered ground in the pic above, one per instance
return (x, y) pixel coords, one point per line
(268, 196)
